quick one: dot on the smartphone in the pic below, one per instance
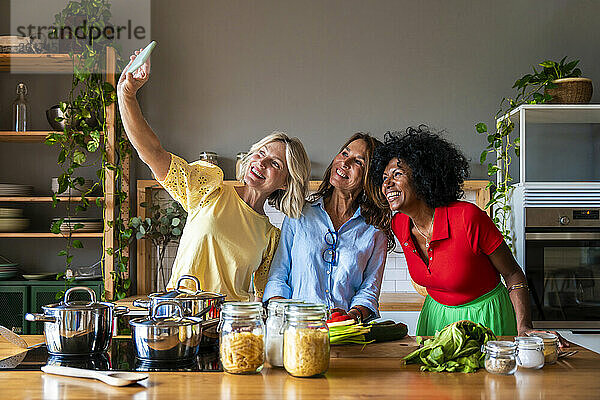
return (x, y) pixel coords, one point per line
(142, 57)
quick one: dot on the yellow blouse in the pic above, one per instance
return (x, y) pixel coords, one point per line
(224, 240)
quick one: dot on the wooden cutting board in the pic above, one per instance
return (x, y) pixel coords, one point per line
(395, 349)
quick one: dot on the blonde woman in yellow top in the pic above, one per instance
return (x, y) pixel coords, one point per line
(227, 236)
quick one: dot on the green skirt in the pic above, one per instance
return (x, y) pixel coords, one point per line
(494, 310)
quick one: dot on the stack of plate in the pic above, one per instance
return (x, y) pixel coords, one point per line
(8, 271)
(11, 220)
(10, 190)
(41, 276)
(89, 224)
(72, 192)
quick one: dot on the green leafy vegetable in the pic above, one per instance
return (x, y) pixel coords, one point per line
(456, 348)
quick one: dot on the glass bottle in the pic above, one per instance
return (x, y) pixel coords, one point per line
(274, 337)
(550, 346)
(305, 340)
(238, 164)
(530, 352)
(242, 332)
(500, 357)
(210, 156)
(20, 109)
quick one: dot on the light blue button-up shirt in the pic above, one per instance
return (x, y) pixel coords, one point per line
(299, 271)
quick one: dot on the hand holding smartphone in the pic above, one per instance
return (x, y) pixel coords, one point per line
(142, 57)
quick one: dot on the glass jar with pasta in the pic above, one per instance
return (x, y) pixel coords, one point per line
(242, 343)
(305, 340)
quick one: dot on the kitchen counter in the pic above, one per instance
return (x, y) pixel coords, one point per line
(375, 372)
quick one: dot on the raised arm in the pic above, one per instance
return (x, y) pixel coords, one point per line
(141, 136)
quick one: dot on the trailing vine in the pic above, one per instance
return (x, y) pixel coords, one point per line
(85, 122)
(530, 89)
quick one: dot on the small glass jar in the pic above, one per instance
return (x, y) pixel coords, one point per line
(500, 357)
(238, 164)
(530, 352)
(210, 156)
(305, 340)
(274, 337)
(550, 346)
(242, 343)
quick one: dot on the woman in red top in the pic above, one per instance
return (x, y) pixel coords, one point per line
(452, 248)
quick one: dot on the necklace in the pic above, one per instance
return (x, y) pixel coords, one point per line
(422, 234)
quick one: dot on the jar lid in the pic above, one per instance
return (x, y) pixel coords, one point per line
(549, 338)
(208, 154)
(305, 310)
(500, 347)
(529, 342)
(241, 309)
(278, 305)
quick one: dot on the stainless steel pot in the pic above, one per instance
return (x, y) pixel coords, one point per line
(166, 338)
(197, 303)
(78, 327)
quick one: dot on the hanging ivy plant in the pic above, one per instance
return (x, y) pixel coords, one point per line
(530, 89)
(85, 111)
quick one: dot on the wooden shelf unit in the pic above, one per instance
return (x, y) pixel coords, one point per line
(49, 235)
(24, 137)
(45, 199)
(30, 63)
(63, 63)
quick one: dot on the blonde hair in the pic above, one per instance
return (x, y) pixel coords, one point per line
(291, 200)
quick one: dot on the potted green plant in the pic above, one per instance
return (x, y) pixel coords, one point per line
(163, 226)
(543, 86)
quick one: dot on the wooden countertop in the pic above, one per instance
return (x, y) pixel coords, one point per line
(400, 302)
(348, 377)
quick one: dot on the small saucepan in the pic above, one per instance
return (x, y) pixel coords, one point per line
(196, 303)
(78, 327)
(166, 338)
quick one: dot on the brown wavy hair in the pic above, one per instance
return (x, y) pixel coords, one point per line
(369, 197)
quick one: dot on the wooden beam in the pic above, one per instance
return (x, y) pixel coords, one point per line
(109, 179)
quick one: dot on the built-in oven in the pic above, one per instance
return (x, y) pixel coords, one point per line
(562, 265)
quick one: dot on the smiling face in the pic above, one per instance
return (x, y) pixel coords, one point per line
(348, 167)
(397, 187)
(267, 168)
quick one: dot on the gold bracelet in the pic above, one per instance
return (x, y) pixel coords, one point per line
(518, 286)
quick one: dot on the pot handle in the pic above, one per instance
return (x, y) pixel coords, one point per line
(142, 303)
(80, 288)
(191, 277)
(39, 318)
(121, 310)
(170, 303)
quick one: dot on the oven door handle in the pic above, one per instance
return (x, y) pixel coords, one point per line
(562, 236)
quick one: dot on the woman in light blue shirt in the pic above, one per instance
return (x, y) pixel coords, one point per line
(334, 254)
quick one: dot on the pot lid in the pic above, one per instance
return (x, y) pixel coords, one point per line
(183, 293)
(165, 322)
(77, 306)
(171, 321)
(66, 304)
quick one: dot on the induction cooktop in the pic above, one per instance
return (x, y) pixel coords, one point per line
(120, 356)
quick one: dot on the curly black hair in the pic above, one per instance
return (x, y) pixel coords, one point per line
(437, 167)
